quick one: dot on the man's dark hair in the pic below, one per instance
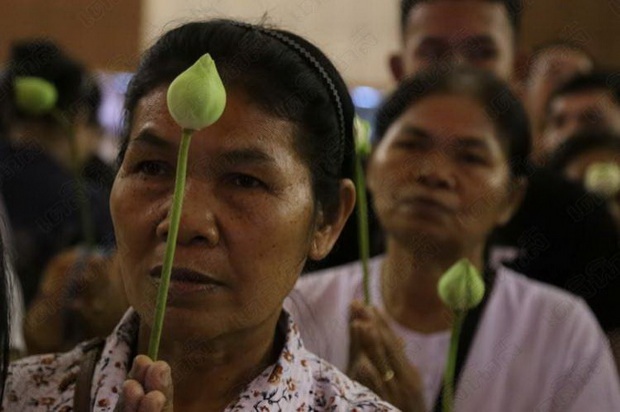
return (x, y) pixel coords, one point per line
(560, 44)
(513, 8)
(609, 81)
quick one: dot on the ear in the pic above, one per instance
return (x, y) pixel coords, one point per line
(397, 67)
(513, 201)
(328, 229)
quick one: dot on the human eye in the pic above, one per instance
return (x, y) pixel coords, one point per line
(592, 116)
(482, 52)
(473, 158)
(152, 168)
(246, 181)
(408, 144)
(432, 52)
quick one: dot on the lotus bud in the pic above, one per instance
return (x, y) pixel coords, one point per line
(196, 98)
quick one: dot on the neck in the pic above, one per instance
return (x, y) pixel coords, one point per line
(409, 280)
(209, 374)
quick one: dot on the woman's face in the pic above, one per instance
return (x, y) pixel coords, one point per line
(441, 174)
(247, 226)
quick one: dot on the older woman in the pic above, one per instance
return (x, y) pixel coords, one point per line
(263, 195)
(448, 169)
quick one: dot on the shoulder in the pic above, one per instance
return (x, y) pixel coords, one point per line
(325, 296)
(340, 282)
(43, 382)
(562, 315)
(517, 290)
(335, 391)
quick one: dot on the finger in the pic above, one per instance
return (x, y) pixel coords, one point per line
(154, 401)
(357, 313)
(140, 365)
(372, 345)
(365, 373)
(354, 345)
(357, 310)
(131, 394)
(396, 354)
(158, 378)
(406, 386)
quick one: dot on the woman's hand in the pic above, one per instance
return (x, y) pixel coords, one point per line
(377, 360)
(148, 387)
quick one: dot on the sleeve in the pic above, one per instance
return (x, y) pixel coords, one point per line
(589, 381)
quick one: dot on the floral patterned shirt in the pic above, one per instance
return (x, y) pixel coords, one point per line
(298, 381)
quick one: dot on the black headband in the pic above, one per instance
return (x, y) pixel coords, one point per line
(302, 51)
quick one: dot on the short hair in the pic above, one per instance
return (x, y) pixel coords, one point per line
(91, 100)
(43, 58)
(609, 81)
(560, 44)
(503, 108)
(513, 9)
(580, 143)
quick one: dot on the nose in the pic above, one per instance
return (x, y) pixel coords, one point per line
(435, 171)
(198, 224)
(457, 59)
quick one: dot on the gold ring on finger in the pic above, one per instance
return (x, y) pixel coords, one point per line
(388, 375)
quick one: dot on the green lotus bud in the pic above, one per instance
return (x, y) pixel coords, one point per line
(461, 287)
(603, 178)
(34, 95)
(196, 98)
(361, 129)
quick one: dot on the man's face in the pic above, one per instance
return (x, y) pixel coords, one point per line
(474, 33)
(552, 68)
(572, 113)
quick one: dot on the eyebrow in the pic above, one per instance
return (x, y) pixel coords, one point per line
(461, 141)
(484, 39)
(246, 156)
(151, 139)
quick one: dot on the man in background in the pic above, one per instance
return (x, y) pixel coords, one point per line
(552, 238)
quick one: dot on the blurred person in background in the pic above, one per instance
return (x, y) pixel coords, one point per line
(550, 65)
(9, 293)
(592, 158)
(81, 297)
(90, 135)
(587, 102)
(542, 240)
(442, 147)
(37, 184)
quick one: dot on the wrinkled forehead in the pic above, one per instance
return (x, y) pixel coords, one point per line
(455, 21)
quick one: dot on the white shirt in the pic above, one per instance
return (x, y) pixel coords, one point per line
(537, 347)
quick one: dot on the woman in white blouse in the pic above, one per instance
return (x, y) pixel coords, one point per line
(450, 165)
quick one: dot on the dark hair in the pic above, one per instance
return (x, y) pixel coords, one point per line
(580, 143)
(91, 100)
(5, 308)
(42, 58)
(559, 44)
(282, 73)
(513, 9)
(609, 81)
(501, 105)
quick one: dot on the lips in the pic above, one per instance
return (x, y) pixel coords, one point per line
(427, 202)
(185, 275)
